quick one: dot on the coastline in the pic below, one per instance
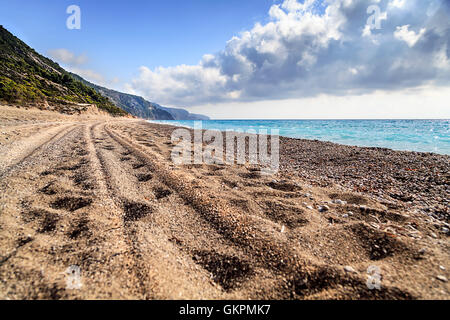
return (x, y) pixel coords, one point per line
(372, 171)
(229, 125)
(102, 193)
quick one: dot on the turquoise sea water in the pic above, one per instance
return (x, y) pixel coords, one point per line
(408, 135)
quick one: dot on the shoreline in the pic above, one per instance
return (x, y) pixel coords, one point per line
(102, 194)
(180, 125)
(311, 156)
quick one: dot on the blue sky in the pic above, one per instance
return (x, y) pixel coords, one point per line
(255, 58)
(120, 36)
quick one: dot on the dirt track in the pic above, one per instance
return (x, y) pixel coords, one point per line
(103, 195)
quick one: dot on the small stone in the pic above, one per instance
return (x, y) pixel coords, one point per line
(310, 208)
(376, 226)
(445, 230)
(441, 278)
(433, 235)
(442, 268)
(324, 208)
(350, 213)
(24, 240)
(339, 202)
(350, 269)
(345, 216)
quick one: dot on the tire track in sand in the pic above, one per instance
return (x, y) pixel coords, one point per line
(301, 276)
(26, 148)
(142, 230)
(154, 221)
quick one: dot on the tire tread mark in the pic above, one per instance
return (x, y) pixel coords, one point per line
(140, 277)
(41, 146)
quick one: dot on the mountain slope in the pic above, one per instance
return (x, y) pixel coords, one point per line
(134, 105)
(26, 77)
(140, 107)
(181, 114)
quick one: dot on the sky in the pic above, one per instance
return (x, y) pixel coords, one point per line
(264, 59)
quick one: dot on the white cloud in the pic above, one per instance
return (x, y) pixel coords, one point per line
(397, 3)
(129, 89)
(367, 31)
(353, 71)
(313, 48)
(78, 64)
(422, 103)
(89, 75)
(410, 37)
(68, 57)
(181, 82)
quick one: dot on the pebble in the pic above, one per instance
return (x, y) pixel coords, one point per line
(310, 208)
(445, 230)
(442, 278)
(324, 208)
(345, 216)
(350, 213)
(434, 235)
(442, 268)
(376, 226)
(350, 269)
(340, 202)
(378, 178)
(420, 254)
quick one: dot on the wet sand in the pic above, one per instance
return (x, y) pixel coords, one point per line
(103, 194)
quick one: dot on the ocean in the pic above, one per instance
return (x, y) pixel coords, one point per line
(406, 135)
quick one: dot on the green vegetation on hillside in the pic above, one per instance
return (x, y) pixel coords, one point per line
(28, 77)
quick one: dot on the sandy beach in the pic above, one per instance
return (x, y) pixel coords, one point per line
(102, 194)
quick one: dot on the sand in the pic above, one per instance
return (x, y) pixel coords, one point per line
(102, 194)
